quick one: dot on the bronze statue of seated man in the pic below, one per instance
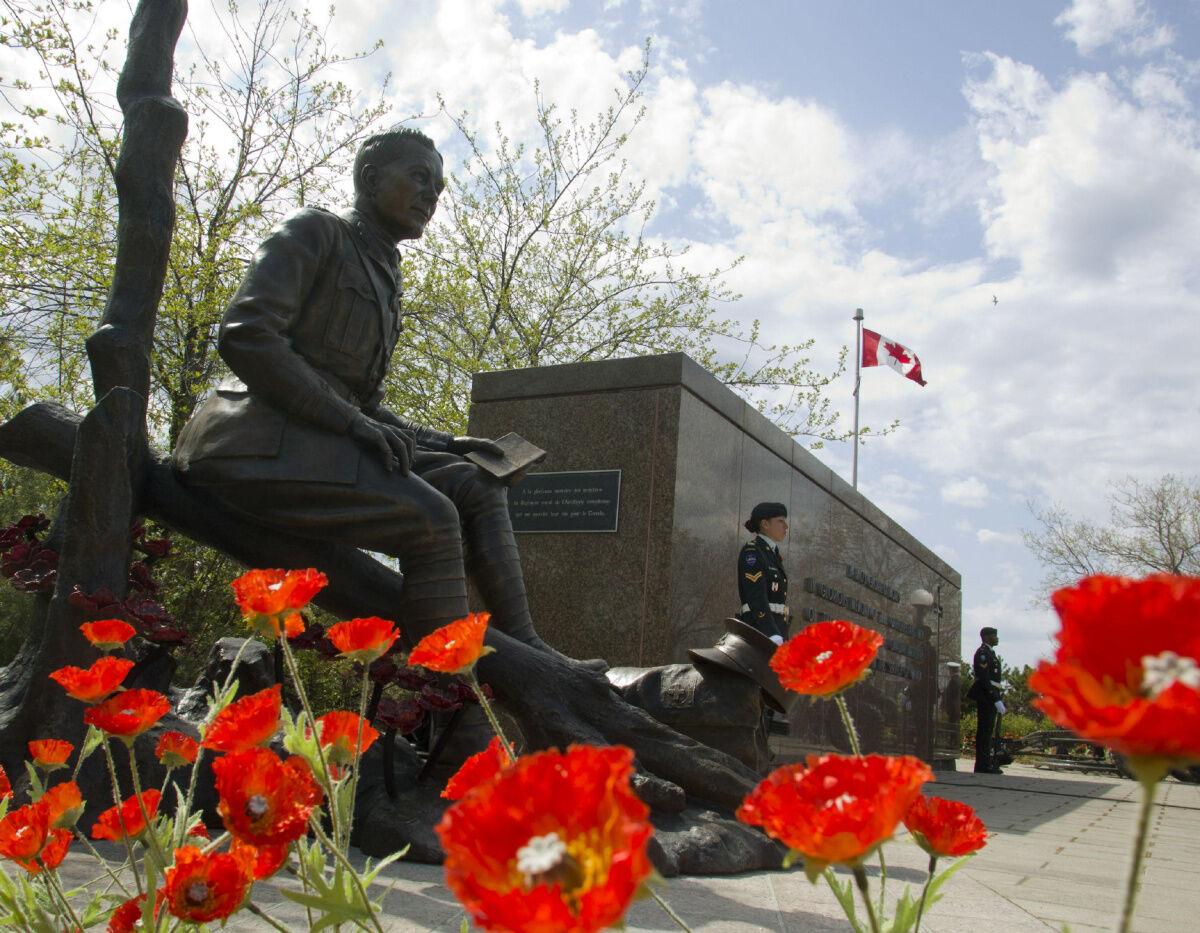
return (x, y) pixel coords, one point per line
(297, 439)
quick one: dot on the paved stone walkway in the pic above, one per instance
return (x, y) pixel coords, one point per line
(1058, 855)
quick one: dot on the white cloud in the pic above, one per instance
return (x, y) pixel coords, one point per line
(1129, 25)
(988, 536)
(971, 493)
(530, 8)
(897, 495)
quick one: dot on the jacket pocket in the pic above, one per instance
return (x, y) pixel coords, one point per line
(354, 314)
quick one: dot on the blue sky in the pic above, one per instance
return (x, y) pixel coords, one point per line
(912, 159)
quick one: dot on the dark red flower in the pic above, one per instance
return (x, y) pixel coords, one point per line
(555, 842)
(364, 639)
(126, 917)
(128, 714)
(259, 861)
(174, 750)
(245, 723)
(65, 804)
(404, 715)
(453, 648)
(826, 657)
(5, 785)
(339, 735)
(117, 823)
(50, 754)
(202, 888)
(1127, 669)
(95, 683)
(478, 769)
(945, 827)
(265, 801)
(835, 808)
(107, 634)
(271, 598)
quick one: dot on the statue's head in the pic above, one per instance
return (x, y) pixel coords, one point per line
(397, 181)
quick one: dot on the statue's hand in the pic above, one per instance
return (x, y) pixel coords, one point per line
(465, 445)
(393, 445)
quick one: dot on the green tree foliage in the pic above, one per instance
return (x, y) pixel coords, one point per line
(543, 256)
(1153, 527)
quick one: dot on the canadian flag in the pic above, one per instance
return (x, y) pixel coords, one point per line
(879, 350)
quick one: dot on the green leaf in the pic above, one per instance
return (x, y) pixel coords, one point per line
(844, 892)
(35, 781)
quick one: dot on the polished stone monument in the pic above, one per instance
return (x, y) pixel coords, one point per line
(629, 532)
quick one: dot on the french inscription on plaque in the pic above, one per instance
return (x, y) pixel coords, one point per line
(583, 500)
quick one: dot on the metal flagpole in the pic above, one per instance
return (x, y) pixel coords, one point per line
(858, 318)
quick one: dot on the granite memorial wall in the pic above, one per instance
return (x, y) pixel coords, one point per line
(630, 528)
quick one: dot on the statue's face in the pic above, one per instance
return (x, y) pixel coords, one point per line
(402, 194)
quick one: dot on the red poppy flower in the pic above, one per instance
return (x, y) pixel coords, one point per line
(117, 823)
(453, 648)
(107, 634)
(126, 917)
(826, 657)
(270, 598)
(53, 852)
(478, 769)
(50, 754)
(1127, 669)
(24, 833)
(174, 749)
(835, 808)
(339, 735)
(945, 827)
(363, 639)
(96, 682)
(202, 888)
(263, 800)
(65, 803)
(556, 842)
(200, 831)
(259, 861)
(128, 714)
(5, 785)
(245, 723)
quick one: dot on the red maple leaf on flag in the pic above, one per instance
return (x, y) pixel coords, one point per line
(896, 351)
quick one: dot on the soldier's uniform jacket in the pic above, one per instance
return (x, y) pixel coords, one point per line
(762, 586)
(308, 337)
(988, 674)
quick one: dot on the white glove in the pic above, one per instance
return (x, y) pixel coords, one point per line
(1001, 708)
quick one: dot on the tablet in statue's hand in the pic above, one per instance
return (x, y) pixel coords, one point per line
(518, 456)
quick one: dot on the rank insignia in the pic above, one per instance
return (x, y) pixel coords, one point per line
(754, 577)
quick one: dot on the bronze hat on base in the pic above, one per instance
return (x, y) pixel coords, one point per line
(745, 650)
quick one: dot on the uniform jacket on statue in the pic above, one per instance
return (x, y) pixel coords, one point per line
(762, 586)
(308, 337)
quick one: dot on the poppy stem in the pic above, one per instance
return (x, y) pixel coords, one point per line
(51, 876)
(1139, 851)
(116, 787)
(925, 892)
(262, 914)
(491, 715)
(667, 910)
(103, 862)
(848, 722)
(362, 719)
(860, 878)
(340, 856)
(137, 795)
(326, 775)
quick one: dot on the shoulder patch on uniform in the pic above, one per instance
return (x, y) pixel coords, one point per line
(751, 559)
(754, 577)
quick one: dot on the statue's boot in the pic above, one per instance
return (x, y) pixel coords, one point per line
(494, 564)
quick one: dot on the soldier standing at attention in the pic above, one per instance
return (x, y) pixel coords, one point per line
(987, 693)
(762, 581)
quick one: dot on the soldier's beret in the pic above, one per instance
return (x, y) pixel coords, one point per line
(765, 510)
